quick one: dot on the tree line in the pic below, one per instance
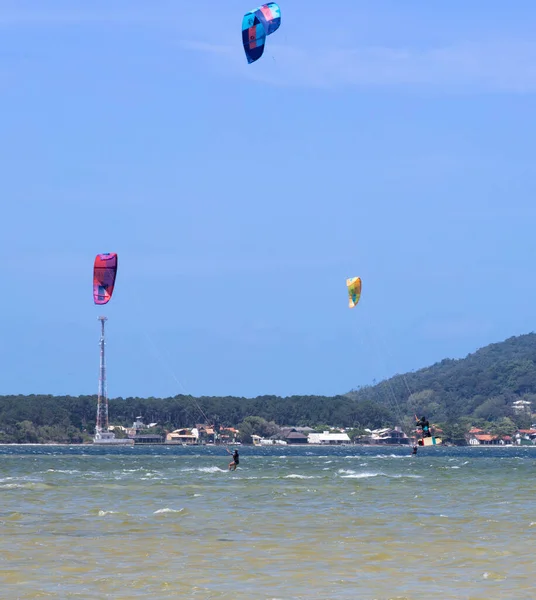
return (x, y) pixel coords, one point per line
(454, 394)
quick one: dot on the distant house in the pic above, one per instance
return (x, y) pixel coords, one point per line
(522, 406)
(486, 439)
(530, 433)
(205, 433)
(328, 437)
(295, 437)
(138, 426)
(292, 436)
(138, 423)
(149, 439)
(388, 435)
(525, 437)
(228, 434)
(181, 436)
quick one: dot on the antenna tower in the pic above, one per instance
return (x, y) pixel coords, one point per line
(102, 400)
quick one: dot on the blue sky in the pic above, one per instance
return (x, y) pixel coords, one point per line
(390, 140)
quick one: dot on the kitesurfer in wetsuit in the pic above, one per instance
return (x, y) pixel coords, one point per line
(424, 424)
(236, 459)
(414, 449)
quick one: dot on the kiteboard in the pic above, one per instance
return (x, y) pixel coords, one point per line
(430, 441)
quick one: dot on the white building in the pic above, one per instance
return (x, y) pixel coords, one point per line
(328, 438)
(520, 406)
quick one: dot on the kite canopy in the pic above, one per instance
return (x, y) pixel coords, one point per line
(104, 273)
(354, 291)
(256, 25)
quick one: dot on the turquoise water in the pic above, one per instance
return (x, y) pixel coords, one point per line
(290, 523)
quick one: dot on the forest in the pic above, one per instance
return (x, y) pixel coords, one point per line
(454, 394)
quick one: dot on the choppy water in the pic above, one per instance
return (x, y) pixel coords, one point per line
(290, 523)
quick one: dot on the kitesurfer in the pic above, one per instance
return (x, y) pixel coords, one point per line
(414, 452)
(236, 459)
(424, 424)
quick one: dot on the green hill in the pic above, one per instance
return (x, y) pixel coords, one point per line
(480, 389)
(482, 386)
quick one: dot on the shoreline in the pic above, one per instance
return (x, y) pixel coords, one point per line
(286, 446)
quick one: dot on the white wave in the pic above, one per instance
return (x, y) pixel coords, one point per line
(64, 471)
(386, 456)
(206, 469)
(12, 486)
(161, 511)
(360, 475)
(26, 485)
(349, 474)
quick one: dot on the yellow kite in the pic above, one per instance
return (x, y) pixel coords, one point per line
(354, 291)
